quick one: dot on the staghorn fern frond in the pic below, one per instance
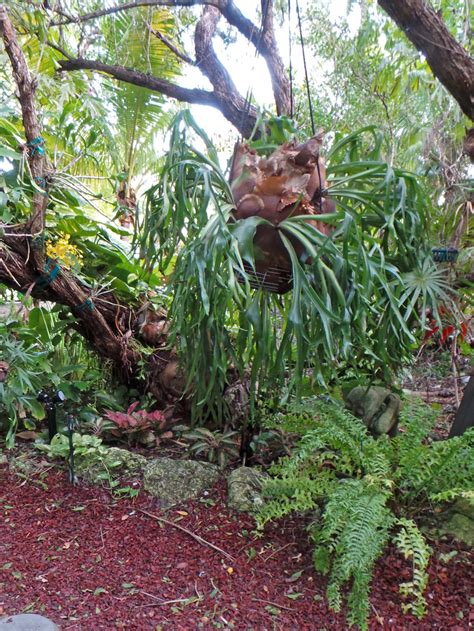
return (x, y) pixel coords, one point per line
(350, 305)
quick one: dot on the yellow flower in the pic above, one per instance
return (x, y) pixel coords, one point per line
(65, 252)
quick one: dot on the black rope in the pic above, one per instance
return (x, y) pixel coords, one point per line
(289, 54)
(310, 103)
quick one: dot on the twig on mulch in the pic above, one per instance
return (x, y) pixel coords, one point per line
(270, 602)
(160, 601)
(196, 537)
(275, 552)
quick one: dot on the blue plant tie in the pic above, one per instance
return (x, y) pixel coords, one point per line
(41, 181)
(36, 146)
(51, 270)
(87, 304)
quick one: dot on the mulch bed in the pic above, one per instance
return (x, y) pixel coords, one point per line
(89, 562)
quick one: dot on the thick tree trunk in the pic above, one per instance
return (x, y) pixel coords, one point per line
(448, 60)
(464, 418)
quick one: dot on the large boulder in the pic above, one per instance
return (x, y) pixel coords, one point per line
(117, 462)
(244, 487)
(175, 481)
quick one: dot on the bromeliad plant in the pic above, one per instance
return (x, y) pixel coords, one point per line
(369, 490)
(352, 306)
(218, 447)
(138, 425)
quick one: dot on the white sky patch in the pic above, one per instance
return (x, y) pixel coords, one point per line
(249, 71)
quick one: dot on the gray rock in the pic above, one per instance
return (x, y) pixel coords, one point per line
(244, 487)
(27, 622)
(175, 481)
(465, 507)
(460, 527)
(377, 407)
(117, 463)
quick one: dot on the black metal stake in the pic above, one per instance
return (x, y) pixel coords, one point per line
(49, 403)
(70, 431)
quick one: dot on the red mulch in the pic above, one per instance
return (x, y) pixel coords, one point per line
(90, 562)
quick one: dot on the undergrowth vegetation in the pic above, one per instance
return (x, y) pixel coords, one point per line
(369, 491)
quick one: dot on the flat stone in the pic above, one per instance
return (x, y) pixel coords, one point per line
(175, 481)
(27, 622)
(244, 487)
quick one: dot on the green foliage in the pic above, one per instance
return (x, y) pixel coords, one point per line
(351, 308)
(368, 71)
(412, 544)
(27, 366)
(85, 446)
(44, 351)
(91, 454)
(218, 447)
(368, 489)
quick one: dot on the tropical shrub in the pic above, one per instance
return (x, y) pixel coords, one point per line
(43, 351)
(369, 490)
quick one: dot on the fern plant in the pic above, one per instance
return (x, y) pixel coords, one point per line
(368, 488)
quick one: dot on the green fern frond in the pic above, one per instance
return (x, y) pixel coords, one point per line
(410, 541)
(356, 525)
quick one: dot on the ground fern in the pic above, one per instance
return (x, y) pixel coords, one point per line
(365, 488)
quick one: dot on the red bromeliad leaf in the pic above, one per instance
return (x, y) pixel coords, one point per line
(447, 331)
(132, 407)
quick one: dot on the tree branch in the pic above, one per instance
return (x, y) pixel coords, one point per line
(448, 60)
(263, 39)
(188, 95)
(133, 5)
(234, 106)
(26, 90)
(169, 44)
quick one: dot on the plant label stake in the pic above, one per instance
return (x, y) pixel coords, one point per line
(49, 401)
(70, 431)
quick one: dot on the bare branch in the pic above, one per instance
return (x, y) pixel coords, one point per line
(448, 60)
(169, 44)
(132, 5)
(189, 95)
(263, 39)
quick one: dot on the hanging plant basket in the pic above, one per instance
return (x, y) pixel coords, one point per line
(445, 254)
(278, 280)
(289, 182)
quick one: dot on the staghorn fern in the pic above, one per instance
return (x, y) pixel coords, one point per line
(367, 486)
